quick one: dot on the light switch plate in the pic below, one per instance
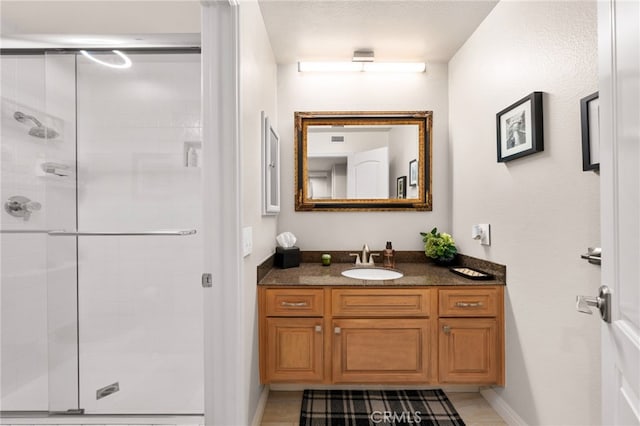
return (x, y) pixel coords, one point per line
(247, 241)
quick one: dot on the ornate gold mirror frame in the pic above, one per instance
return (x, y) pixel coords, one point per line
(408, 180)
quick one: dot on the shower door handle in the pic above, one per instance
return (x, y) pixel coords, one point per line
(175, 233)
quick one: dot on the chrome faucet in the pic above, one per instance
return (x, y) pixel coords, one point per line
(367, 256)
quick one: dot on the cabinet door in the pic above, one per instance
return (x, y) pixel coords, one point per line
(468, 351)
(380, 351)
(294, 350)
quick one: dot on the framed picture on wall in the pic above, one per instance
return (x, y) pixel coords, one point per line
(590, 123)
(519, 128)
(413, 172)
(401, 187)
(270, 167)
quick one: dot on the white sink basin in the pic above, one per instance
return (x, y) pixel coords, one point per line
(372, 274)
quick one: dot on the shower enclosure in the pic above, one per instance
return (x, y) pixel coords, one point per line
(100, 296)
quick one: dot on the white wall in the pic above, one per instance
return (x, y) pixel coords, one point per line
(257, 93)
(364, 92)
(543, 209)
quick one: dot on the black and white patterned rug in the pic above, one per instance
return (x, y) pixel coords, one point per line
(380, 407)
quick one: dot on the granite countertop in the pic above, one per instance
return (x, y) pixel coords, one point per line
(415, 274)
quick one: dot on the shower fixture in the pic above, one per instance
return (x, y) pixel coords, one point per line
(19, 206)
(40, 130)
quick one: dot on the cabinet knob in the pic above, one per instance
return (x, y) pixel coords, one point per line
(337, 330)
(446, 329)
(318, 329)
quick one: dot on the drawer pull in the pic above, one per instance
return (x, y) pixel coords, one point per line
(295, 304)
(469, 304)
(337, 330)
(446, 329)
(318, 329)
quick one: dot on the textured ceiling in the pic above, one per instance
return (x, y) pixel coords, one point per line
(431, 30)
(26, 24)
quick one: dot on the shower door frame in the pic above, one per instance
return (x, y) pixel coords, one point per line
(227, 362)
(77, 408)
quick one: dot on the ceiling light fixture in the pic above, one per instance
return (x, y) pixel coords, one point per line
(362, 61)
(126, 62)
(363, 56)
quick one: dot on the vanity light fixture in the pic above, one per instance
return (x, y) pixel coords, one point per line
(362, 61)
(126, 62)
(390, 67)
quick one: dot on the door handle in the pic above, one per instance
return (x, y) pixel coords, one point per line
(294, 304)
(602, 302)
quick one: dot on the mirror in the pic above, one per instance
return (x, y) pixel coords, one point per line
(363, 161)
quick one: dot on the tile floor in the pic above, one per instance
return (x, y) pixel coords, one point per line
(283, 409)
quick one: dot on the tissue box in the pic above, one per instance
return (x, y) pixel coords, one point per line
(287, 257)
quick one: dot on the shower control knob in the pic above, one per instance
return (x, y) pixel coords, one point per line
(19, 206)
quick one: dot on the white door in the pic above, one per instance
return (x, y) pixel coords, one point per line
(619, 51)
(368, 174)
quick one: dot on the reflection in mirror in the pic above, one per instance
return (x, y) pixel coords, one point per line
(360, 161)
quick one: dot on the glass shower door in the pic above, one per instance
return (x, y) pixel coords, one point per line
(100, 312)
(37, 289)
(140, 302)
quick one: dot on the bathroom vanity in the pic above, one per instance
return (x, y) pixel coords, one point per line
(428, 327)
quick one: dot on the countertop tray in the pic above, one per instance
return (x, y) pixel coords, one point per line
(470, 273)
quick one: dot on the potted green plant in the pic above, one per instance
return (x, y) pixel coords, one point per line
(439, 246)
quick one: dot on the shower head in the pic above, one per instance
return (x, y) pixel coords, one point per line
(40, 130)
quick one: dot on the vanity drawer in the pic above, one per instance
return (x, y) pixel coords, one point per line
(295, 302)
(470, 302)
(380, 302)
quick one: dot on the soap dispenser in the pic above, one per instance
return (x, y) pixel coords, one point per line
(388, 260)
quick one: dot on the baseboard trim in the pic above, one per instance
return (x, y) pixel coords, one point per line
(288, 387)
(501, 407)
(262, 403)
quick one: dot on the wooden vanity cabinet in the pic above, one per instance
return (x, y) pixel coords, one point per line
(291, 335)
(381, 350)
(381, 335)
(470, 335)
(418, 335)
(295, 350)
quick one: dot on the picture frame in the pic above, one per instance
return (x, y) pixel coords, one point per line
(520, 129)
(401, 187)
(413, 172)
(270, 167)
(590, 126)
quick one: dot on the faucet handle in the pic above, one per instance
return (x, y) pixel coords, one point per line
(371, 262)
(357, 255)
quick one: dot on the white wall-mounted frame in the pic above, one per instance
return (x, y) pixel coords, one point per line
(270, 167)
